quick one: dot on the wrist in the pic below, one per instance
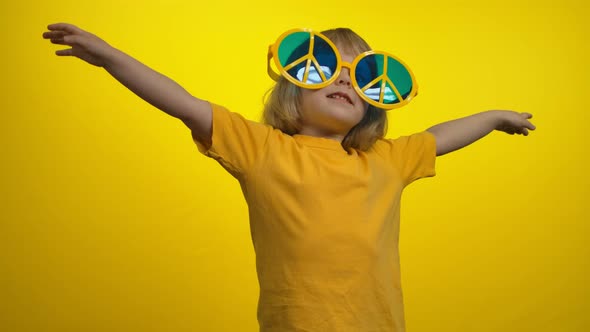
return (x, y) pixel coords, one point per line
(497, 118)
(112, 57)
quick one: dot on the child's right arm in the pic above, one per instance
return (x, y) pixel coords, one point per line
(151, 86)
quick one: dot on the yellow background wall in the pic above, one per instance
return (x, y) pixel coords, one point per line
(112, 221)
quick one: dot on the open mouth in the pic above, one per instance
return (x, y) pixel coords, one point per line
(341, 96)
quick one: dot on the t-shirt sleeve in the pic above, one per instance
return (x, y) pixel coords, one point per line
(413, 155)
(236, 143)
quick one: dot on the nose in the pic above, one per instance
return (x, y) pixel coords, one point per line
(344, 77)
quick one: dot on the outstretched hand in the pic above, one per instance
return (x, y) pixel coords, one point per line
(515, 123)
(84, 45)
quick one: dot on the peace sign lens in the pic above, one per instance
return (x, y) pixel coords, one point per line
(383, 79)
(308, 59)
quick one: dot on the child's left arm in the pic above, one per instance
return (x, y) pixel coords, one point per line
(456, 134)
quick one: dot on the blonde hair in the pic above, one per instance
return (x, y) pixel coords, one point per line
(282, 105)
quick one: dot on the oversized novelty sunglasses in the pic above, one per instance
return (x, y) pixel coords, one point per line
(310, 60)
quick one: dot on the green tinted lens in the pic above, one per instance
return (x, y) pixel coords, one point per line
(387, 75)
(293, 47)
(294, 56)
(373, 67)
(399, 75)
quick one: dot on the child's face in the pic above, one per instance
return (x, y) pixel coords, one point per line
(335, 109)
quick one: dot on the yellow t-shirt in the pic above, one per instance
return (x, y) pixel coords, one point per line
(324, 222)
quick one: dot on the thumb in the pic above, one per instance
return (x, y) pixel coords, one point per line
(67, 52)
(525, 115)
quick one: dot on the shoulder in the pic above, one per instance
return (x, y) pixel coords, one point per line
(230, 120)
(405, 141)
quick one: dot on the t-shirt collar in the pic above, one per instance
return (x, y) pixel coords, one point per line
(319, 142)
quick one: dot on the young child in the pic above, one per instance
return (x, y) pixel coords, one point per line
(323, 185)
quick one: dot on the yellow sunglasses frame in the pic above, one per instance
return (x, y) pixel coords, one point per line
(273, 50)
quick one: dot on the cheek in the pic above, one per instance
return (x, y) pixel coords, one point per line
(308, 105)
(306, 95)
(365, 107)
(305, 100)
(310, 98)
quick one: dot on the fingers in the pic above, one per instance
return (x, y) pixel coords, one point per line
(63, 33)
(526, 115)
(55, 38)
(69, 28)
(68, 34)
(54, 34)
(67, 52)
(62, 39)
(528, 124)
(525, 123)
(518, 130)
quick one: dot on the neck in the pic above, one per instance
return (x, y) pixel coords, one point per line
(321, 133)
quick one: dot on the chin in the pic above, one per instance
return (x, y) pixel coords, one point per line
(344, 125)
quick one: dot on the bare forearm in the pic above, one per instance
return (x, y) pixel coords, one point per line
(456, 134)
(153, 87)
